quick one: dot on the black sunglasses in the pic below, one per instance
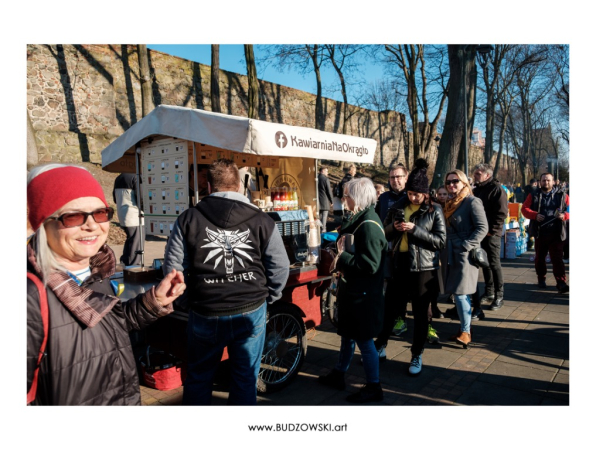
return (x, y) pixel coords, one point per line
(78, 218)
(448, 182)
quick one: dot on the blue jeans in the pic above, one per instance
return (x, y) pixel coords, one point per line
(464, 310)
(244, 335)
(370, 357)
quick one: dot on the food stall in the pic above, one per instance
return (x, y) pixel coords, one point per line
(171, 143)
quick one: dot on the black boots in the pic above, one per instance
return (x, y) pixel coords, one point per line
(371, 392)
(498, 302)
(477, 314)
(334, 379)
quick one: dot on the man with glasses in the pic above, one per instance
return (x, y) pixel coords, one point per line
(494, 199)
(548, 210)
(127, 200)
(398, 175)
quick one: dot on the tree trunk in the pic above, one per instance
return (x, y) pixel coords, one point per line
(145, 76)
(452, 142)
(215, 99)
(253, 83)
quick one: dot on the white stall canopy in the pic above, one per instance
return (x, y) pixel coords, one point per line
(238, 134)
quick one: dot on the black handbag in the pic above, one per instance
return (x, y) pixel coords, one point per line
(479, 258)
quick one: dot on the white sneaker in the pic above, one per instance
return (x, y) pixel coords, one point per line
(416, 365)
(382, 354)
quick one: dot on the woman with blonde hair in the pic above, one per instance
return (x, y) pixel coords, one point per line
(466, 227)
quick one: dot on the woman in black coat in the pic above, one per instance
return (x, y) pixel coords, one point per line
(417, 239)
(88, 358)
(360, 289)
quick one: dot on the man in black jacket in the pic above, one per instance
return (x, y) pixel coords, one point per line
(494, 199)
(325, 197)
(235, 262)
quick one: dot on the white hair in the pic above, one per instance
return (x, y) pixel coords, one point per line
(362, 191)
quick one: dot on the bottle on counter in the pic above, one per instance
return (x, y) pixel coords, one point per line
(295, 199)
(275, 193)
(284, 198)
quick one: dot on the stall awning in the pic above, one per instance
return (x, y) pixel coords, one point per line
(238, 134)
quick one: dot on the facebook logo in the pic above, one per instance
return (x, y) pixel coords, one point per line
(280, 139)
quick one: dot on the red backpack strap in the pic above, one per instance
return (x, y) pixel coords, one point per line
(43, 305)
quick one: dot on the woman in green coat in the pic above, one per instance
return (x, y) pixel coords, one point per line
(360, 289)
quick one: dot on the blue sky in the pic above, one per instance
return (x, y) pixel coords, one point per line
(231, 58)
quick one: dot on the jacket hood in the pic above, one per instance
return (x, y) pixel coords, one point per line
(226, 212)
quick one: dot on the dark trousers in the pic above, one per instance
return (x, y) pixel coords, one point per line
(553, 245)
(566, 243)
(133, 243)
(493, 275)
(421, 288)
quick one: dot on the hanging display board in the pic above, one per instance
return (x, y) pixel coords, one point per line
(164, 174)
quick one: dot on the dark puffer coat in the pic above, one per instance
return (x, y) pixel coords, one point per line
(427, 239)
(82, 365)
(360, 297)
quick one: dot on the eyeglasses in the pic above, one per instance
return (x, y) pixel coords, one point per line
(78, 218)
(448, 182)
(397, 176)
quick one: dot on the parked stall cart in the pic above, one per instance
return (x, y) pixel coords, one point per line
(166, 149)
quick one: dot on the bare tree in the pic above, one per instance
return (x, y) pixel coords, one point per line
(490, 75)
(411, 61)
(253, 82)
(145, 76)
(306, 58)
(382, 96)
(215, 98)
(462, 77)
(342, 58)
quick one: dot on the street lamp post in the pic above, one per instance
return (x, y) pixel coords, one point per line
(483, 50)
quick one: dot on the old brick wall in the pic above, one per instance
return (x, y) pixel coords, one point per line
(81, 97)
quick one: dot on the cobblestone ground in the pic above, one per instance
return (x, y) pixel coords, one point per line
(519, 356)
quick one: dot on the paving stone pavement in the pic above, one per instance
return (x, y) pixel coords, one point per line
(519, 356)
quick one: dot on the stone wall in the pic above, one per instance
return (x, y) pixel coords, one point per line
(81, 97)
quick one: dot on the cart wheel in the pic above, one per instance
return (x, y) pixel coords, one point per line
(329, 300)
(285, 347)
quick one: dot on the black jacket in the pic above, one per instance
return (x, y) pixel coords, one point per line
(494, 200)
(228, 244)
(343, 181)
(82, 365)
(427, 239)
(325, 194)
(387, 200)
